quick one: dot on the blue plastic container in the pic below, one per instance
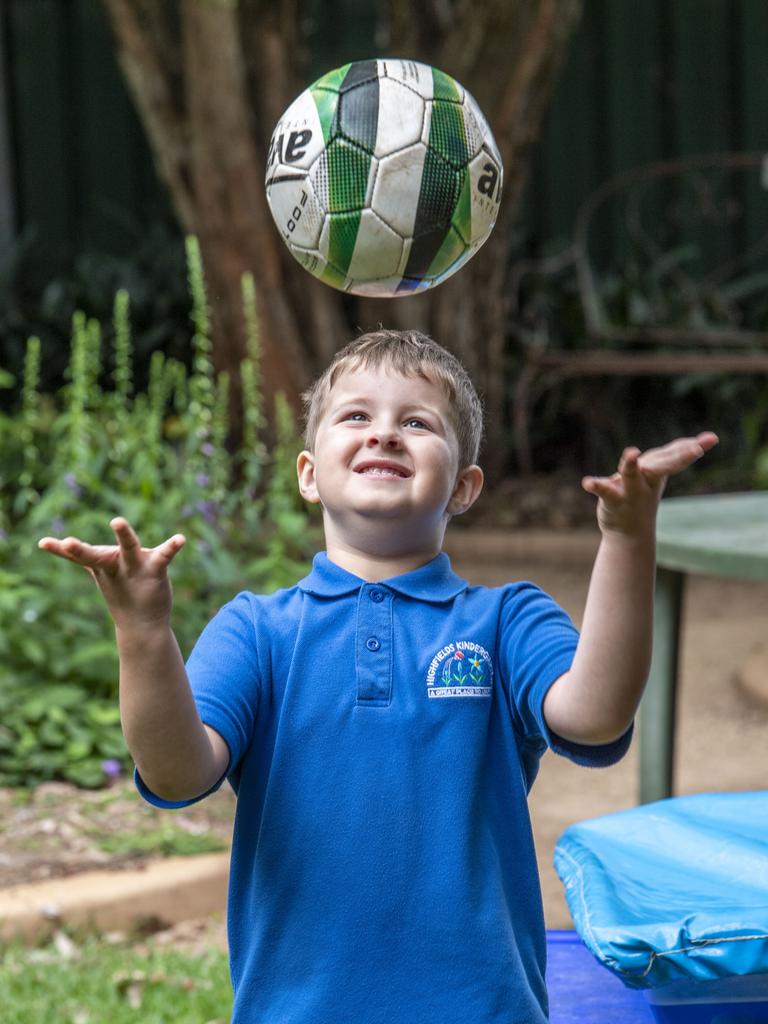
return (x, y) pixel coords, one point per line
(583, 992)
(737, 1000)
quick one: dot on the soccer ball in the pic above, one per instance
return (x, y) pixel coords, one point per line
(383, 177)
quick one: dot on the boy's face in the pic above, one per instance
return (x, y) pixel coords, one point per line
(386, 454)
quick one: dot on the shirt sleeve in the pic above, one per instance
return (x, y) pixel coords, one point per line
(225, 678)
(538, 644)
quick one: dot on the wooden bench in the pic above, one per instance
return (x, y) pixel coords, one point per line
(694, 232)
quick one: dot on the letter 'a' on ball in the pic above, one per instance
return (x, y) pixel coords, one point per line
(384, 177)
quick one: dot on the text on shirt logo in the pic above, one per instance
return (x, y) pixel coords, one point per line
(460, 669)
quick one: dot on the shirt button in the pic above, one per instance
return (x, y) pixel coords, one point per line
(377, 595)
(372, 643)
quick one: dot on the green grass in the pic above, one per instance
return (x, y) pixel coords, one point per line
(114, 984)
(167, 841)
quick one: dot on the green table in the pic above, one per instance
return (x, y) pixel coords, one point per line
(718, 535)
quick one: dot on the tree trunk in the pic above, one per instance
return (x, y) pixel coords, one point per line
(211, 77)
(206, 152)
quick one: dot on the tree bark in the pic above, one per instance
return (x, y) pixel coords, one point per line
(210, 79)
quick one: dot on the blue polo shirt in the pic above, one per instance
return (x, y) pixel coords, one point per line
(383, 739)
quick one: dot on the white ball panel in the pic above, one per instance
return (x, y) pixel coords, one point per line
(310, 259)
(297, 140)
(373, 174)
(386, 288)
(395, 194)
(411, 73)
(474, 132)
(295, 209)
(325, 235)
(401, 117)
(383, 289)
(377, 251)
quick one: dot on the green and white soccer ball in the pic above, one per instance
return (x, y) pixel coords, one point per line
(384, 177)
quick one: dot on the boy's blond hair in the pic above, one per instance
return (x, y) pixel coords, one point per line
(411, 354)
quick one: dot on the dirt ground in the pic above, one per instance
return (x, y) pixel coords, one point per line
(722, 732)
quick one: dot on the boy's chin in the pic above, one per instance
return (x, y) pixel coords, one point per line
(373, 525)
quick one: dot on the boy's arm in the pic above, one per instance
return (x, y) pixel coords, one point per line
(596, 700)
(177, 756)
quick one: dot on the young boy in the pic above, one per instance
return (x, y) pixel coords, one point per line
(382, 721)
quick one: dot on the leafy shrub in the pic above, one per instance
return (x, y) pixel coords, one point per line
(71, 462)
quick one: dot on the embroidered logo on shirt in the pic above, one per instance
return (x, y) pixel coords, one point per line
(460, 669)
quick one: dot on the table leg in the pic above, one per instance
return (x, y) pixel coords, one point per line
(657, 710)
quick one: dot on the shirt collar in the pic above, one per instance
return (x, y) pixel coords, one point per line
(434, 581)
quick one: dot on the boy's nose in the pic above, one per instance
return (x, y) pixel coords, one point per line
(386, 437)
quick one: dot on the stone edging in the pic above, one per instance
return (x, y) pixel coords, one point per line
(164, 892)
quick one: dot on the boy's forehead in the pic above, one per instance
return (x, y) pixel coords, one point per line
(373, 381)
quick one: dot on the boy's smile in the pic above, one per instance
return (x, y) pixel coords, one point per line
(385, 468)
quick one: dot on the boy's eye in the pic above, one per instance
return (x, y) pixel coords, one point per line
(358, 417)
(418, 424)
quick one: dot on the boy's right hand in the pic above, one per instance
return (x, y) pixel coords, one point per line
(134, 580)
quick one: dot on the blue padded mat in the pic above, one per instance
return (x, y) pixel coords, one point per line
(583, 992)
(672, 891)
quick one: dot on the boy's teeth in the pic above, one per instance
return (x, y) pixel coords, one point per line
(380, 471)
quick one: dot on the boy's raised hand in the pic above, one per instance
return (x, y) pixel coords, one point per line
(627, 501)
(134, 580)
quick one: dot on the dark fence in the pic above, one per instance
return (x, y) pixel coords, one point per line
(648, 81)
(81, 170)
(644, 81)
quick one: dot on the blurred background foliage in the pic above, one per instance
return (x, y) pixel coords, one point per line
(102, 446)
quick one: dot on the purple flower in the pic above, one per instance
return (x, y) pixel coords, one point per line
(71, 481)
(207, 449)
(111, 768)
(207, 510)
(3, 534)
(201, 479)
(58, 525)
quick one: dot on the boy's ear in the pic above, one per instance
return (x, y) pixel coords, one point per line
(305, 471)
(466, 491)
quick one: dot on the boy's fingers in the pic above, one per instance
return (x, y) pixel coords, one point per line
(675, 456)
(130, 545)
(170, 548)
(628, 463)
(707, 439)
(56, 546)
(604, 487)
(73, 550)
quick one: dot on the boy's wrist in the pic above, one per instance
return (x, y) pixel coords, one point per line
(141, 634)
(641, 540)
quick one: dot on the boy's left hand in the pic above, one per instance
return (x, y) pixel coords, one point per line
(627, 501)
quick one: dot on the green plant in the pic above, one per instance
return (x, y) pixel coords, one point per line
(93, 981)
(166, 841)
(70, 462)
